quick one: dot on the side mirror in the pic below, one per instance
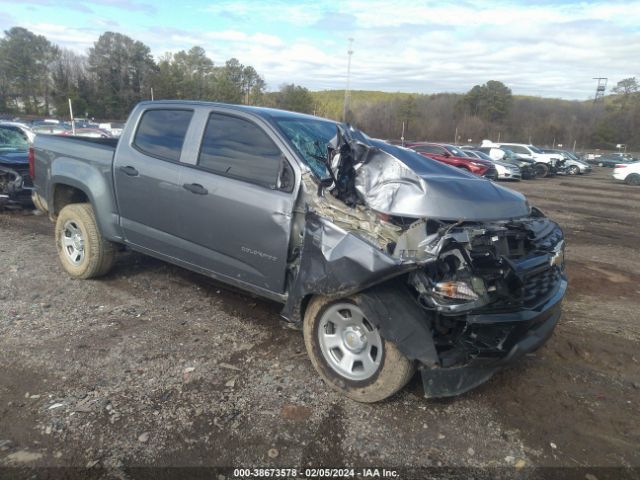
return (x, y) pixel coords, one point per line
(446, 154)
(286, 177)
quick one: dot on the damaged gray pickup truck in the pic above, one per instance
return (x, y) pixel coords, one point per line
(386, 260)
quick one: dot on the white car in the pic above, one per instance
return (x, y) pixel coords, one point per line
(506, 171)
(545, 162)
(628, 173)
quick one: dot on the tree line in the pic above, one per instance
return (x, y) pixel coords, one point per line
(38, 77)
(491, 111)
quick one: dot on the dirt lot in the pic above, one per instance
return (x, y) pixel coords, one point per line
(155, 365)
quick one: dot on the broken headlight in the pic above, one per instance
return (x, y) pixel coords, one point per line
(456, 291)
(557, 257)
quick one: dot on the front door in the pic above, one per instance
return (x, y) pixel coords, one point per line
(234, 215)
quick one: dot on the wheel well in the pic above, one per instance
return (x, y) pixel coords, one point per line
(304, 304)
(64, 195)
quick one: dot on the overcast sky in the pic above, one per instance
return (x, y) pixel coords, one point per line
(545, 48)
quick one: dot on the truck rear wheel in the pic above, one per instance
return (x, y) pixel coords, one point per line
(83, 251)
(349, 353)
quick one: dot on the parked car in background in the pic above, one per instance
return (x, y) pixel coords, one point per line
(15, 179)
(506, 171)
(526, 165)
(612, 159)
(50, 129)
(30, 134)
(114, 128)
(89, 132)
(455, 157)
(572, 164)
(628, 173)
(546, 164)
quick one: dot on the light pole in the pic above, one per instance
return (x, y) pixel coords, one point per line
(347, 92)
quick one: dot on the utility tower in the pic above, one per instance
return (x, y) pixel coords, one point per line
(347, 92)
(600, 89)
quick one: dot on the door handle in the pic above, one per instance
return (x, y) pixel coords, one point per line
(195, 188)
(129, 170)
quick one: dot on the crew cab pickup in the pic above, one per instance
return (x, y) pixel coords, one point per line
(386, 260)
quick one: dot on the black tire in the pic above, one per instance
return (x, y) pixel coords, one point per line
(542, 170)
(392, 374)
(573, 170)
(96, 255)
(633, 179)
(37, 201)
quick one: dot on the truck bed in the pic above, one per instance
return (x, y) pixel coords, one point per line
(93, 149)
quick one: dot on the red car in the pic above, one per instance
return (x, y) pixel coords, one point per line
(455, 157)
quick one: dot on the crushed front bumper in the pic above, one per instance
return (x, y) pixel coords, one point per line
(16, 185)
(533, 327)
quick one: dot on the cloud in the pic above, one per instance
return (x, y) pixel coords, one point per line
(92, 6)
(549, 48)
(305, 13)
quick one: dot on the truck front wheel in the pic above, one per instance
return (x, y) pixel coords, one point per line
(83, 251)
(349, 353)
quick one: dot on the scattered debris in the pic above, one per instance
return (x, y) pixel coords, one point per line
(273, 453)
(24, 456)
(230, 367)
(296, 412)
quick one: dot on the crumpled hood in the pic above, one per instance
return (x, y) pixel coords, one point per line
(14, 158)
(400, 182)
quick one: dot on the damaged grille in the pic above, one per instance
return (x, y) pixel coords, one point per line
(539, 285)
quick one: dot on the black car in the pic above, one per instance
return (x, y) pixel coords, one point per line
(15, 181)
(526, 165)
(612, 159)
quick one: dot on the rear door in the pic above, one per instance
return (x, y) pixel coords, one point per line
(234, 210)
(147, 183)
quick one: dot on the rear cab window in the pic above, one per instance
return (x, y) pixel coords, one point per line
(161, 133)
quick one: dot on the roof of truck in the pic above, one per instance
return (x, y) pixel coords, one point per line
(265, 112)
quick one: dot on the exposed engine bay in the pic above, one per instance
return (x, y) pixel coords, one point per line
(462, 276)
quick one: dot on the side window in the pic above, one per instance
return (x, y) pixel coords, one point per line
(161, 133)
(239, 148)
(518, 149)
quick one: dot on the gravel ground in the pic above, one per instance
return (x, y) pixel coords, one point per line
(157, 366)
